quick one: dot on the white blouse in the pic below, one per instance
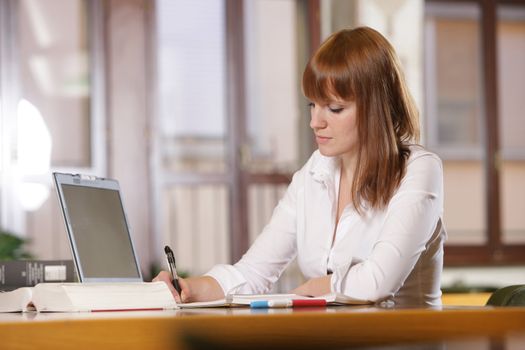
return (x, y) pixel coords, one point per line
(391, 254)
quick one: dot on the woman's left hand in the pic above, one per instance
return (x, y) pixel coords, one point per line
(314, 287)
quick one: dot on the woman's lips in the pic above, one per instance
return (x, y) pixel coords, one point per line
(322, 139)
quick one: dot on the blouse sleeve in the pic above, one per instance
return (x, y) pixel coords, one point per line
(411, 218)
(269, 255)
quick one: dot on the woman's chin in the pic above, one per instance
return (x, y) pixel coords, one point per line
(325, 152)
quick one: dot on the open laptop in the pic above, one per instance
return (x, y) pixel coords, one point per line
(97, 228)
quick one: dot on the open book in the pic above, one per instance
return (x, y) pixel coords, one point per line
(73, 297)
(277, 300)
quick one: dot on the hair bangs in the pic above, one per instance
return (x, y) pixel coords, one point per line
(328, 77)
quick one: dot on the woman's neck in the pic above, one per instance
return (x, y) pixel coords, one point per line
(348, 164)
(345, 184)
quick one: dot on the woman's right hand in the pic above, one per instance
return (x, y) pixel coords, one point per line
(203, 288)
(165, 276)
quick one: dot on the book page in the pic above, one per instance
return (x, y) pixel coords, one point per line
(246, 299)
(203, 304)
(17, 300)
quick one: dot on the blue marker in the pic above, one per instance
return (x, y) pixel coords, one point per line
(259, 304)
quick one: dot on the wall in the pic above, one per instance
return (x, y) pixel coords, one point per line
(128, 117)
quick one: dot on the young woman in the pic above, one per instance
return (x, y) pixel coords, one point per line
(364, 214)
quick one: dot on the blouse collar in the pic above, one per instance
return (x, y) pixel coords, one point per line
(325, 168)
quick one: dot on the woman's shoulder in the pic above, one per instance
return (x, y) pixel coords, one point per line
(424, 171)
(420, 156)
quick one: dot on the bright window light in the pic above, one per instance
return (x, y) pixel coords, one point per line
(34, 155)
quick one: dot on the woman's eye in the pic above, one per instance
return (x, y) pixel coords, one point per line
(336, 110)
(311, 105)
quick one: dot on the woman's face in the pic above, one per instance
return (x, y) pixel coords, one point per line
(334, 126)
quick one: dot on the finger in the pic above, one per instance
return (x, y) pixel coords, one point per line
(300, 290)
(165, 277)
(162, 276)
(295, 291)
(185, 290)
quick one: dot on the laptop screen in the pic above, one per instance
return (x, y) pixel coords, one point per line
(97, 229)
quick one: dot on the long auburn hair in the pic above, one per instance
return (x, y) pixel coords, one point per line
(360, 65)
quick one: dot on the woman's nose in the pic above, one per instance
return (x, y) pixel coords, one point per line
(317, 121)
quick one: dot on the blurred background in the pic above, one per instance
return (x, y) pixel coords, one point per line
(195, 107)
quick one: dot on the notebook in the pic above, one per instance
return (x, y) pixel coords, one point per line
(277, 300)
(97, 228)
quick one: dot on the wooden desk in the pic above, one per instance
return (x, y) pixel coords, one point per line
(335, 327)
